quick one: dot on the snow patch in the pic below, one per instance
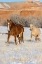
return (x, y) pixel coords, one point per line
(38, 3)
(1, 6)
(3, 29)
(7, 5)
(29, 52)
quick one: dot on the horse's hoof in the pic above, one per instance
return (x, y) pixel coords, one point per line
(7, 44)
(23, 41)
(17, 43)
(30, 40)
(39, 39)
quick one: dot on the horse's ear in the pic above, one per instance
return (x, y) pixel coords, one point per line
(7, 19)
(10, 19)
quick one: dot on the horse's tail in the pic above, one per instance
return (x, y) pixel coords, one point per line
(22, 38)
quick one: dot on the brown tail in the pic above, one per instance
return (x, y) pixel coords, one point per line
(22, 38)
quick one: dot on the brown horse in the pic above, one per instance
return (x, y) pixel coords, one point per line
(15, 30)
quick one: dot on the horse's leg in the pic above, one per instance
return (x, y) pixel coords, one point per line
(35, 38)
(38, 38)
(19, 38)
(8, 38)
(30, 36)
(15, 40)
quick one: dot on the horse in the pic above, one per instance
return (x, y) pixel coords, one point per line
(35, 32)
(15, 30)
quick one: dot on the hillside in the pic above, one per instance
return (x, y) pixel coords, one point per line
(20, 8)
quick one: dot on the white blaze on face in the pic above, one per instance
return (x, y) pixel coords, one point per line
(19, 35)
(8, 26)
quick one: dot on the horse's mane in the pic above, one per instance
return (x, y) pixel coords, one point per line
(12, 24)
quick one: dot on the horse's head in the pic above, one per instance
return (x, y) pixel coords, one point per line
(9, 24)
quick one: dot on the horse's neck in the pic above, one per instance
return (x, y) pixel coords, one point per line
(12, 25)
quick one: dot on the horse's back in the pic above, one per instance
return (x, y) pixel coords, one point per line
(20, 27)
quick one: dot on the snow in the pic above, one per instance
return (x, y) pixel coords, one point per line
(38, 3)
(1, 6)
(3, 29)
(29, 52)
(7, 6)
